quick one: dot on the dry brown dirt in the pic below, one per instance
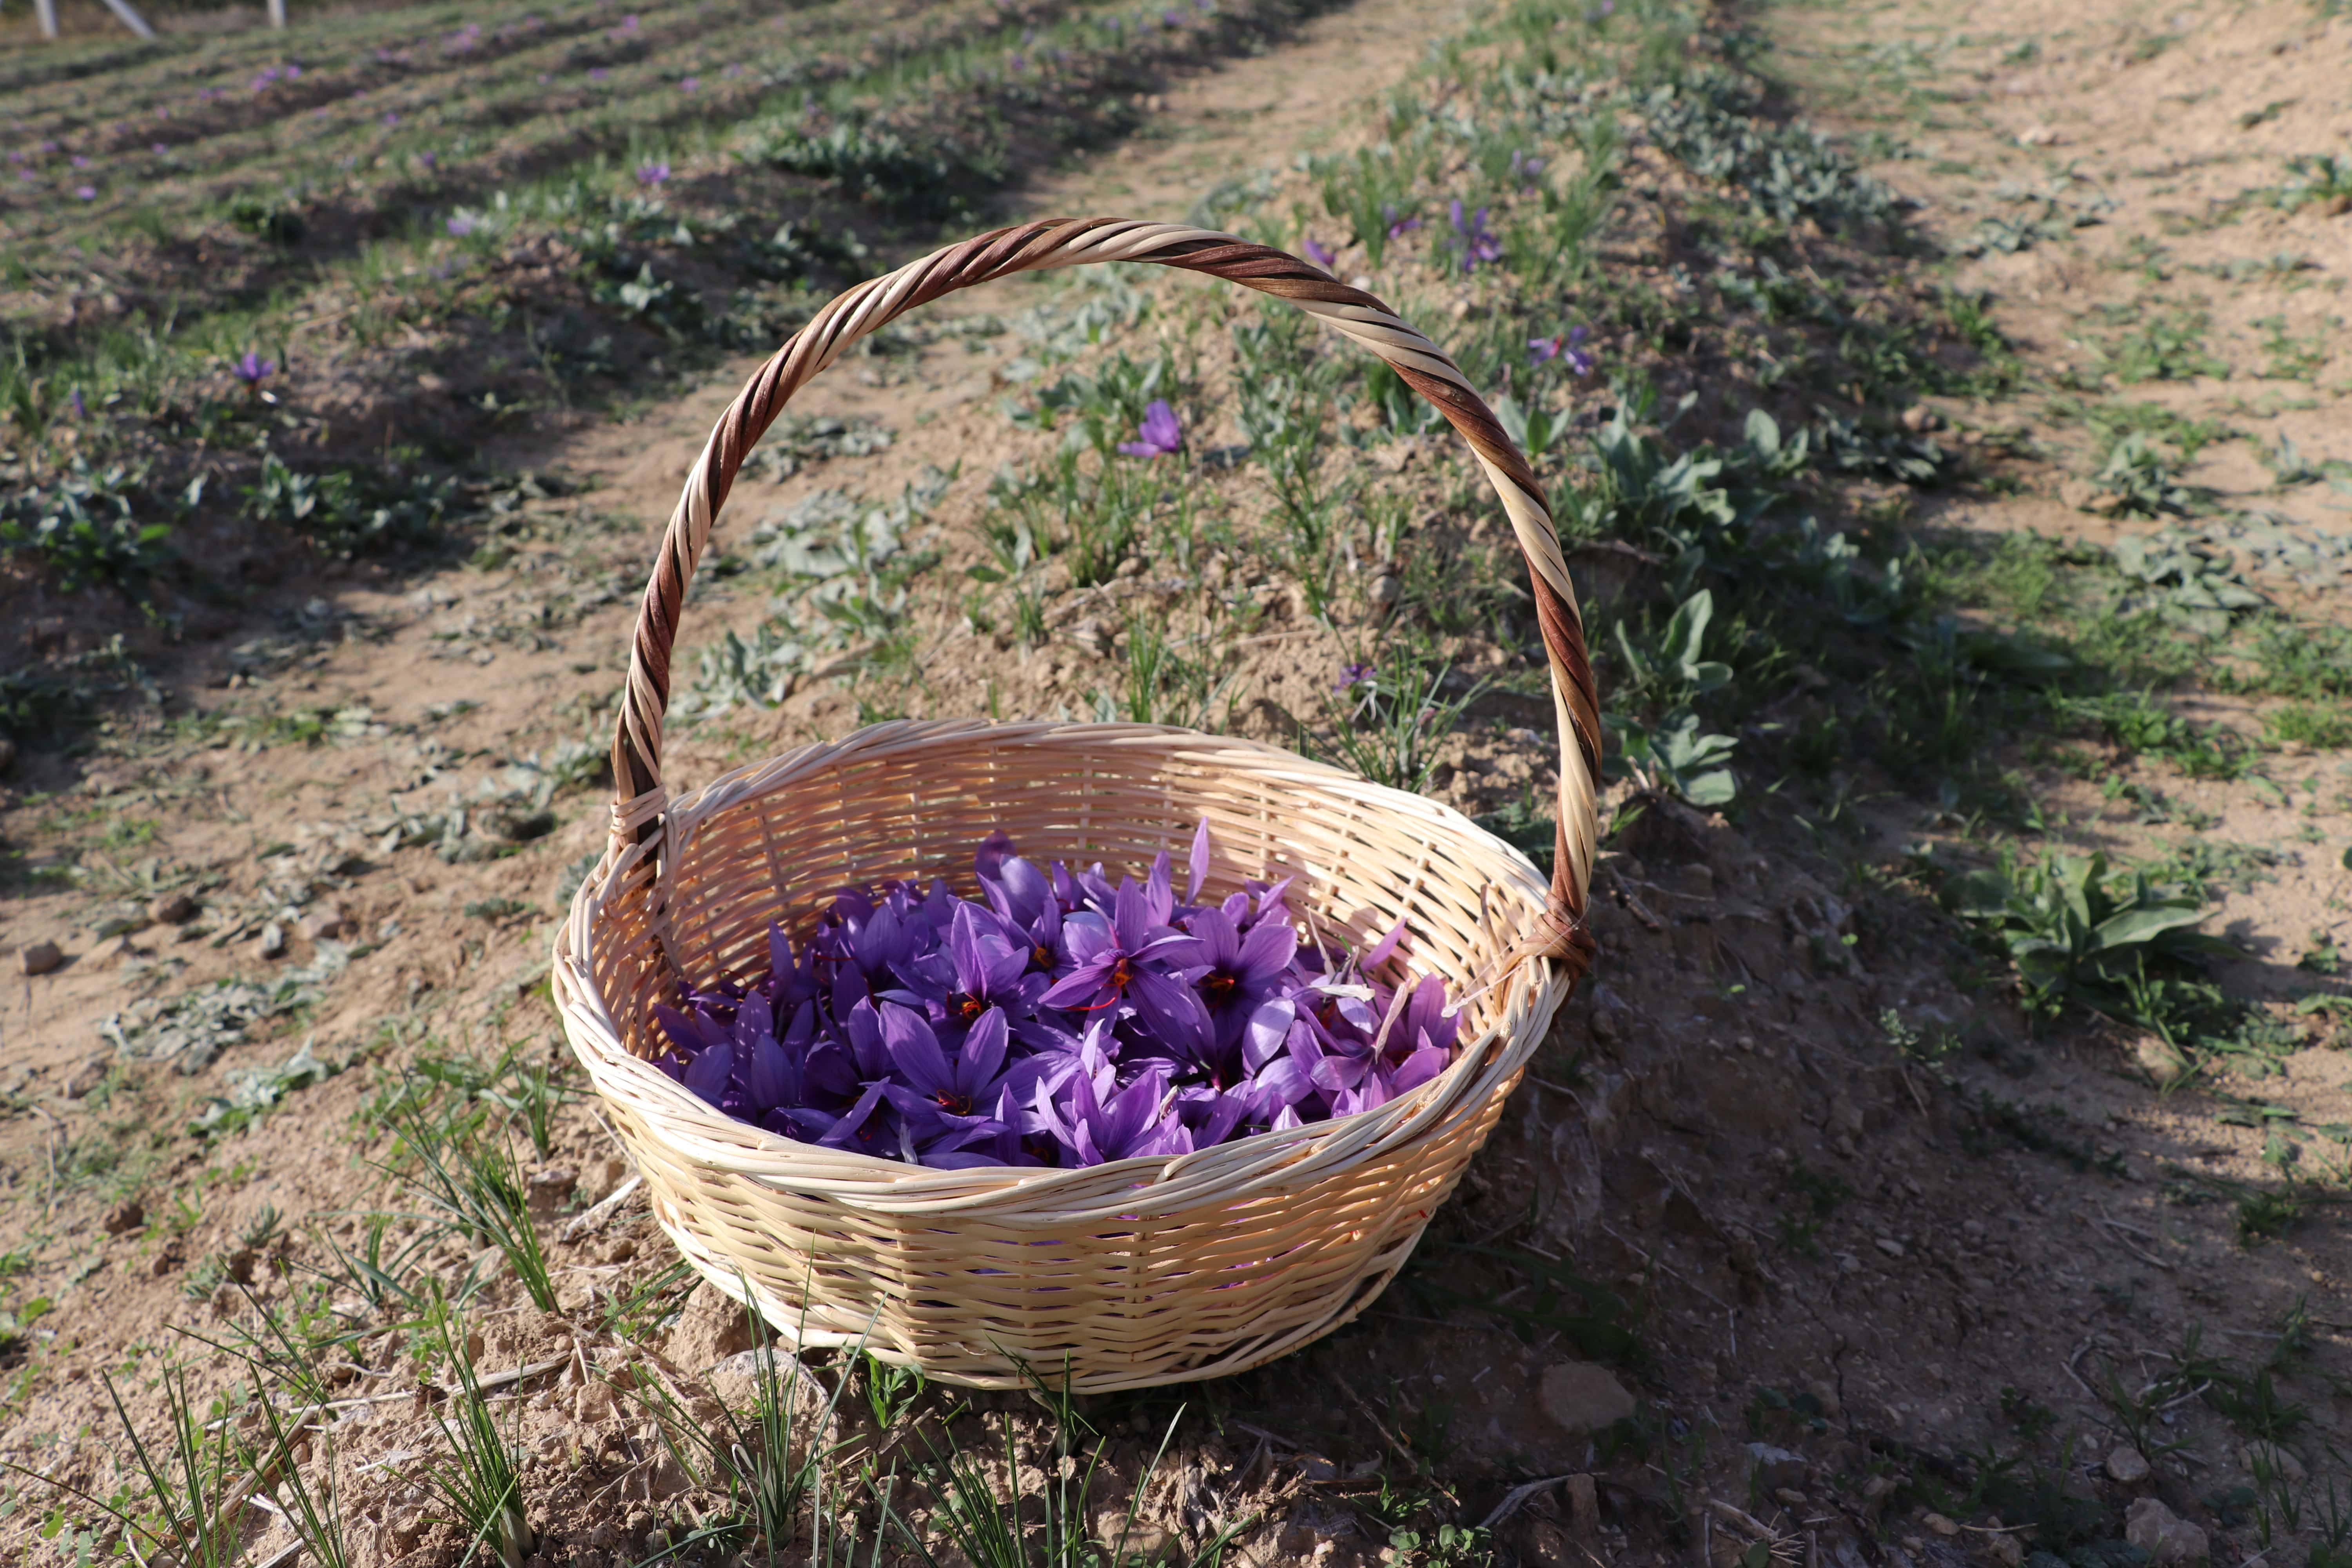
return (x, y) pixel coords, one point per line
(1836, 1269)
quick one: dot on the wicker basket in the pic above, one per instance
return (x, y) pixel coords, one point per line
(1141, 1272)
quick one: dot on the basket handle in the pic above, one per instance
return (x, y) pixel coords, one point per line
(639, 797)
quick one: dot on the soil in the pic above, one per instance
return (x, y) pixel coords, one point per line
(1852, 1255)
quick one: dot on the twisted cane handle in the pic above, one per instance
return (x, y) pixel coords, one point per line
(1068, 242)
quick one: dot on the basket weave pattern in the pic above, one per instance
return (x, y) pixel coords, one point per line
(1136, 1272)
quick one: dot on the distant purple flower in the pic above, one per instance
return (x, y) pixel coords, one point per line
(627, 27)
(1397, 225)
(690, 84)
(652, 176)
(390, 117)
(1159, 435)
(597, 73)
(81, 409)
(428, 161)
(81, 162)
(159, 148)
(1478, 243)
(1355, 675)
(544, 78)
(1173, 19)
(87, 193)
(1541, 350)
(461, 225)
(253, 370)
(1524, 169)
(1318, 255)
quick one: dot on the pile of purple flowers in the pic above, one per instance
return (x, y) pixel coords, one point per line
(1058, 1021)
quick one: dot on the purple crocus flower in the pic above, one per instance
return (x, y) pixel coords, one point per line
(652, 176)
(690, 84)
(1350, 678)
(1478, 242)
(1397, 225)
(1066, 1021)
(1541, 350)
(1128, 1125)
(81, 409)
(461, 225)
(1233, 974)
(87, 193)
(1318, 255)
(1524, 169)
(1158, 437)
(253, 370)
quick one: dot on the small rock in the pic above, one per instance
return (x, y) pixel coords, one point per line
(101, 784)
(2163, 1065)
(1940, 1524)
(86, 1076)
(406, 1525)
(622, 1251)
(2128, 1465)
(592, 1403)
(273, 942)
(1772, 1467)
(123, 1217)
(549, 1187)
(8, 754)
(172, 910)
(1387, 589)
(711, 1329)
(2007, 1550)
(1889, 1245)
(1090, 633)
(1583, 1505)
(1316, 1467)
(519, 826)
(2080, 494)
(1582, 1397)
(322, 922)
(41, 957)
(113, 950)
(1919, 416)
(2172, 1542)
(1132, 566)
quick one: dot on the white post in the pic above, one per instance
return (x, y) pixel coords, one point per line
(129, 18)
(47, 10)
(278, 15)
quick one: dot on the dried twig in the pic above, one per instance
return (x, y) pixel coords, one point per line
(594, 1218)
(1515, 1498)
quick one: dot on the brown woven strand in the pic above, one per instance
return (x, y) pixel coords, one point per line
(1138, 1272)
(1046, 243)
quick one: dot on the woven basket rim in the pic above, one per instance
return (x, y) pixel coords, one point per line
(896, 1185)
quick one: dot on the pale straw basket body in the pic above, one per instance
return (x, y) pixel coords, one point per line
(1138, 1272)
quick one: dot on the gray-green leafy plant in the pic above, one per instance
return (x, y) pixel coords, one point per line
(1674, 669)
(1676, 757)
(2075, 929)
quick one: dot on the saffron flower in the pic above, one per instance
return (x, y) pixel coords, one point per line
(690, 84)
(1353, 676)
(1478, 242)
(1397, 225)
(1058, 1020)
(253, 370)
(1159, 435)
(651, 175)
(1318, 255)
(1542, 350)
